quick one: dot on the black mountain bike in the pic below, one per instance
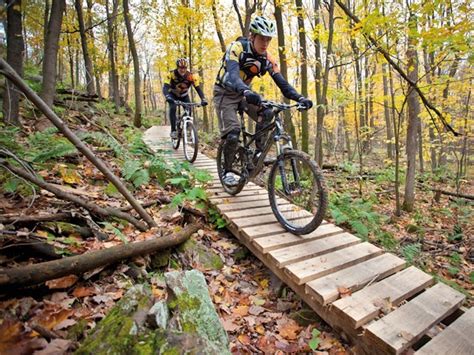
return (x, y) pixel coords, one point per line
(186, 130)
(296, 187)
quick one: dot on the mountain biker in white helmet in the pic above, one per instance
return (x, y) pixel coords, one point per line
(243, 60)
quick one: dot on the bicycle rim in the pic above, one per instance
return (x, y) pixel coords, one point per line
(296, 180)
(237, 170)
(190, 142)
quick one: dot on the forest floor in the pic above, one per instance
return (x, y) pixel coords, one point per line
(259, 313)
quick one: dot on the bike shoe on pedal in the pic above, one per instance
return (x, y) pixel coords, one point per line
(230, 180)
(174, 135)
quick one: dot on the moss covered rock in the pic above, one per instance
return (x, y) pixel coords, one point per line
(193, 305)
(118, 332)
(205, 257)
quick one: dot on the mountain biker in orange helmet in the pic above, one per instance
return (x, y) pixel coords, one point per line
(176, 88)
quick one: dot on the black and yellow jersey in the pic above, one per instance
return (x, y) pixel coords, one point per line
(179, 84)
(241, 64)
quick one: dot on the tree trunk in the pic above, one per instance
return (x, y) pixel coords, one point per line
(413, 119)
(137, 121)
(15, 52)
(322, 80)
(90, 4)
(85, 50)
(303, 75)
(287, 122)
(38, 273)
(51, 47)
(386, 111)
(30, 94)
(113, 77)
(218, 26)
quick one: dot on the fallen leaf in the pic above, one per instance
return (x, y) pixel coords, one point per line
(102, 299)
(260, 329)
(229, 325)
(384, 304)
(82, 291)
(65, 324)
(289, 329)
(244, 339)
(62, 282)
(256, 310)
(57, 346)
(405, 335)
(69, 176)
(48, 319)
(241, 310)
(344, 291)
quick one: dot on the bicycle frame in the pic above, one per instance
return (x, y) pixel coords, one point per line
(277, 134)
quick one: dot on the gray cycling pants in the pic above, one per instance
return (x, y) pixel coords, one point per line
(226, 103)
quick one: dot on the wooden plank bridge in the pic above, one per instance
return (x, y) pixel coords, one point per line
(367, 295)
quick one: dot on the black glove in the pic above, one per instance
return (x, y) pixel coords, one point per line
(307, 103)
(203, 102)
(252, 97)
(169, 99)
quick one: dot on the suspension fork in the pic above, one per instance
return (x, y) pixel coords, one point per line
(281, 165)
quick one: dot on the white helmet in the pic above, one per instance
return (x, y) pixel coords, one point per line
(263, 26)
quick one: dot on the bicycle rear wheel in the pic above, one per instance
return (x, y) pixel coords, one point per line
(190, 141)
(237, 169)
(295, 178)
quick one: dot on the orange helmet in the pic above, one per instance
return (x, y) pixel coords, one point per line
(182, 63)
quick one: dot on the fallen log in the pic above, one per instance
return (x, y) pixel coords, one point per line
(70, 197)
(51, 217)
(13, 76)
(41, 272)
(454, 194)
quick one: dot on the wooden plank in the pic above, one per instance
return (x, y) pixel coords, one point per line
(251, 211)
(282, 240)
(228, 200)
(238, 206)
(330, 255)
(263, 231)
(456, 339)
(265, 219)
(220, 195)
(368, 303)
(219, 188)
(397, 331)
(327, 288)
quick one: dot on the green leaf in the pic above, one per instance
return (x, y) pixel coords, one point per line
(178, 181)
(202, 176)
(129, 168)
(141, 177)
(315, 340)
(359, 228)
(196, 193)
(411, 251)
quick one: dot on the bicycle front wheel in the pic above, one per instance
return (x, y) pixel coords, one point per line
(190, 141)
(297, 192)
(175, 141)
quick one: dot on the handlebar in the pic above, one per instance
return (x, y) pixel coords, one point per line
(187, 104)
(278, 106)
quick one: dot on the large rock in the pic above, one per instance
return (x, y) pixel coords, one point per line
(193, 309)
(123, 326)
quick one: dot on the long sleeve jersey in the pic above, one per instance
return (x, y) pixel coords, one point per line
(241, 64)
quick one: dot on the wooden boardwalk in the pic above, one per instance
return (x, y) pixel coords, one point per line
(369, 296)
